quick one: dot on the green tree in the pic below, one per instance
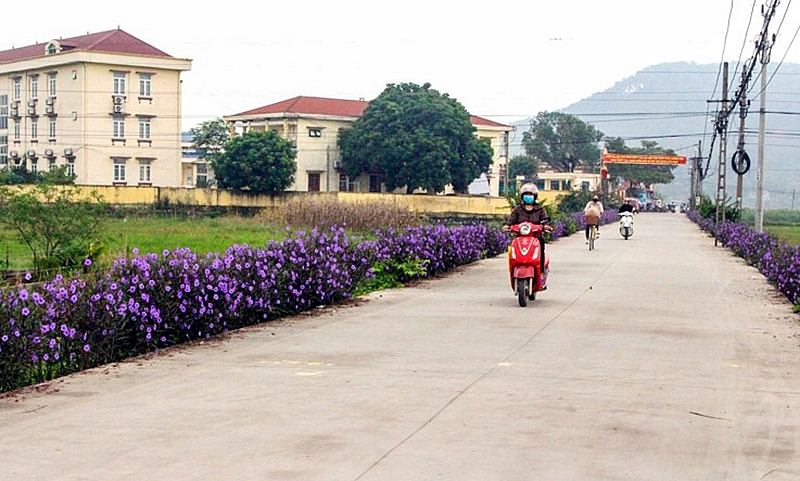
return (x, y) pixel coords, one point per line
(261, 162)
(415, 137)
(209, 138)
(60, 225)
(638, 174)
(524, 165)
(562, 141)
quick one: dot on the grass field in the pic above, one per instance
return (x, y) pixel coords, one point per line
(154, 234)
(789, 233)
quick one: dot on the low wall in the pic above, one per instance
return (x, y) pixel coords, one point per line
(470, 205)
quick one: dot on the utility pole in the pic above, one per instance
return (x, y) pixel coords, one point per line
(766, 47)
(722, 128)
(696, 186)
(740, 167)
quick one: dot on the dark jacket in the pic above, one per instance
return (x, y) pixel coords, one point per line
(537, 215)
(625, 208)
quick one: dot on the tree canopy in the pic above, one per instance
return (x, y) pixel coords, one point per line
(209, 138)
(522, 165)
(638, 174)
(415, 137)
(562, 141)
(261, 162)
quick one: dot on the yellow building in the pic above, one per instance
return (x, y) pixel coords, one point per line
(107, 105)
(312, 124)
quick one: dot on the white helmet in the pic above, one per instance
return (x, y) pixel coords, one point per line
(530, 189)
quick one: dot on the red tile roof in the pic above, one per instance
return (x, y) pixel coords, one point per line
(112, 41)
(486, 122)
(336, 107)
(312, 105)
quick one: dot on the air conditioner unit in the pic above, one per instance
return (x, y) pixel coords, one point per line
(31, 103)
(49, 101)
(15, 104)
(118, 99)
(31, 111)
(337, 164)
(118, 109)
(50, 110)
(48, 152)
(13, 154)
(67, 152)
(31, 154)
(14, 112)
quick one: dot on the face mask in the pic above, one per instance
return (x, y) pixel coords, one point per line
(528, 199)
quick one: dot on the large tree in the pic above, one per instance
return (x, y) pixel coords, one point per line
(562, 141)
(415, 137)
(524, 165)
(637, 173)
(209, 138)
(261, 162)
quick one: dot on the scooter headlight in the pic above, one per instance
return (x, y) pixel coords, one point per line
(525, 229)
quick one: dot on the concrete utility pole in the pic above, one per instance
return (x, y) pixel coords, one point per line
(722, 128)
(696, 187)
(765, 46)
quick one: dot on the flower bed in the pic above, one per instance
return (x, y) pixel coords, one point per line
(154, 301)
(777, 260)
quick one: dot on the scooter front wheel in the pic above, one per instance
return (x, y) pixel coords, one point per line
(522, 294)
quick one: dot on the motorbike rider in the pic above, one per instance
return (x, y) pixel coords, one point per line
(529, 210)
(626, 207)
(592, 212)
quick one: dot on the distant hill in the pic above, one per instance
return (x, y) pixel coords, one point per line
(669, 104)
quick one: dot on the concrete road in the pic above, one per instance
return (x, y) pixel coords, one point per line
(657, 358)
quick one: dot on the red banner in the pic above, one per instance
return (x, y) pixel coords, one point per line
(644, 159)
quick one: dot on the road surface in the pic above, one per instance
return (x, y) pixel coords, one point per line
(657, 358)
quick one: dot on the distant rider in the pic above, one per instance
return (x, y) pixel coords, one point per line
(529, 210)
(593, 211)
(626, 207)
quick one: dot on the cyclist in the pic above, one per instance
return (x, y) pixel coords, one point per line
(592, 212)
(529, 210)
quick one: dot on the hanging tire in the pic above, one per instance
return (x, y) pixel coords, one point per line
(522, 295)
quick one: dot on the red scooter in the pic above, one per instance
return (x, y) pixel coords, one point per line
(527, 276)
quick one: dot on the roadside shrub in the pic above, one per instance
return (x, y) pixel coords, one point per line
(153, 301)
(778, 261)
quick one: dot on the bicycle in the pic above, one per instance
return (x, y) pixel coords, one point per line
(592, 236)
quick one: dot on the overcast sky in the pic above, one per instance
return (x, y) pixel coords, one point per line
(505, 61)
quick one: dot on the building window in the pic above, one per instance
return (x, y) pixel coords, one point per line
(17, 130)
(314, 132)
(119, 170)
(144, 171)
(51, 84)
(144, 129)
(34, 165)
(34, 129)
(119, 83)
(145, 85)
(71, 166)
(51, 49)
(16, 89)
(555, 185)
(4, 112)
(374, 182)
(52, 129)
(34, 86)
(3, 150)
(202, 175)
(51, 163)
(119, 128)
(313, 182)
(343, 182)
